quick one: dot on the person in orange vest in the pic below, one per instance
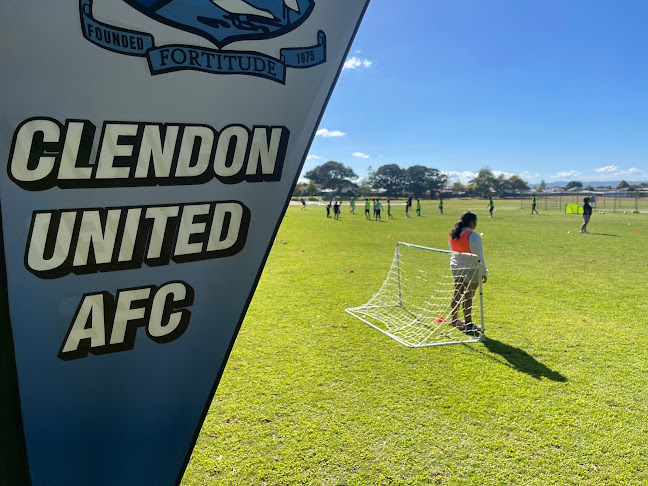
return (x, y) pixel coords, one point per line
(466, 269)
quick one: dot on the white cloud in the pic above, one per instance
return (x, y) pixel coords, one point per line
(323, 132)
(568, 174)
(610, 169)
(617, 171)
(356, 62)
(360, 155)
(313, 157)
(530, 177)
(463, 177)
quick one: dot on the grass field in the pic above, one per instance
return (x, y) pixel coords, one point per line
(557, 394)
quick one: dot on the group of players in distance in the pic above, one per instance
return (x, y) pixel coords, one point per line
(336, 208)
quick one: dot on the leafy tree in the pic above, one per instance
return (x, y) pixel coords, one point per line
(458, 187)
(502, 184)
(623, 185)
(311, 189)
(542, 186)
(332, 175)
(589, 188)
(299, 189)
(513, 183)
(389, 177)
(484, 182)
(516, 183)
(421, 179)
(365, 189)
(572, 184)
(353, 193)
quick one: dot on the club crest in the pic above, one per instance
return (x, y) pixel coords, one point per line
(221, 22)
(226, 21)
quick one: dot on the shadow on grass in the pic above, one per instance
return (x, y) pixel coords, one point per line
(522, 361)
(604, 234)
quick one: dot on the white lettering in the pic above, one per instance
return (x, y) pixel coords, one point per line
(189, 228)
(111, 148)
(25, 150)
(90, 309)
(38, 238)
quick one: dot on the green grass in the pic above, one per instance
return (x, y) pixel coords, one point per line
(556, 395)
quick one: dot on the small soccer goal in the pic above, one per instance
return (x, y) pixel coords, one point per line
(573, 209)
(415, 304)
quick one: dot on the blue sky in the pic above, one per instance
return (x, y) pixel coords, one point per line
(549, 90)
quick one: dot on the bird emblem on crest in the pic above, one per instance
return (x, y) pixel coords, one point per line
(226, 21)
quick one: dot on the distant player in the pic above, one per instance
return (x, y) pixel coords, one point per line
(328, 210)
(377, 209)
(418, 206)
(440, 206)
(587, 214)
(491, 206)
(533, 205)
(352, 204)
(336, 210)
(464, 239)
(389, 214)
(303, 201)
(367, 209)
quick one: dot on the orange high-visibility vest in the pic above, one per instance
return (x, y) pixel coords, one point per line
(461, 245)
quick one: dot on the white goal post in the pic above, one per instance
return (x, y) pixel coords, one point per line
(421, 295)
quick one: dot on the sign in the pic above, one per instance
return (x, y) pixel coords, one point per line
(151, 147)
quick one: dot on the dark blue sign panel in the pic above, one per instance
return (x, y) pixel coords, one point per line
(150, 149)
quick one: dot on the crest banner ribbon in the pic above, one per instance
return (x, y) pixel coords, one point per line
(172, 58)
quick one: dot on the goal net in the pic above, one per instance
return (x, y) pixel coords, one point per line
(421, 295)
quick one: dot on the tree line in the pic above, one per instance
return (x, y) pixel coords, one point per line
(393, 181)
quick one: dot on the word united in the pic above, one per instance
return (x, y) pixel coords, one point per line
(46, 153)
(92, 240)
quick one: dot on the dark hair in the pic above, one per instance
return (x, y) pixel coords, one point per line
(466, 219)
(586, 200)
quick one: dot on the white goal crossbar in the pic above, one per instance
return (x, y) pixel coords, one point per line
(427, 298)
